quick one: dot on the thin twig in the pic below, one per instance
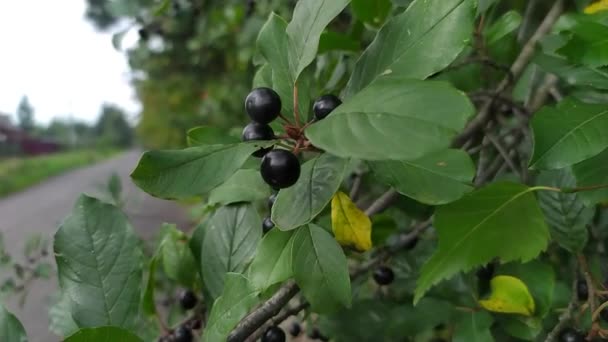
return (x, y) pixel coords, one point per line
(543, 92)
(503, 152)
(356, 188)
(522, 60)
(278, 319)
(566, 316)
(266, 311)
(296, 110)
(382, 203)
(591, 300)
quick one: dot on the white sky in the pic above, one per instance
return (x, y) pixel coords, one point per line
(49, 52)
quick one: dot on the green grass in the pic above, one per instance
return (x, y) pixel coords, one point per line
(19, 173)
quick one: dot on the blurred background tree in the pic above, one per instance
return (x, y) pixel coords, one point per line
(25, 115)
(191, 65)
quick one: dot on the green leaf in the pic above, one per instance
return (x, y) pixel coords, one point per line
(231, 237)
(61, 321)
(588, 44)
(320, 269)
(263, 77)
(509, 295)
(238, 297)
(421, 41)
(539, 277)
(319, 180)
(372, 12)
(103, 334)
(569, 133)
(99, 265)
(209, 135)
(304, 31)
(575, 75)
(521, 327)
(272, 262)
(334, 41)
(566, 214)
(394, 118)
(11, 329)
(243, 186)
(434, 179)
(177, 259)
(592, 172)
(507, 23)
(496, 217)
(148, 304)
(273, 45)
(178, 174)
(474, 327)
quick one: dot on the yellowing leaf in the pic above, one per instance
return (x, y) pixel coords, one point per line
(598, 6)
(509, 295)
(351, 226)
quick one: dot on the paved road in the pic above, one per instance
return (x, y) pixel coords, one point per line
(41, 208)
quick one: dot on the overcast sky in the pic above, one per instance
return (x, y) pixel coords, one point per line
(49, 52)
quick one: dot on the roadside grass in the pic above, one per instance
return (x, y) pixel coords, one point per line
(19, 173)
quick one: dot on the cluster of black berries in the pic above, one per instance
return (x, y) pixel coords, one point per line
(280, 168)
(183, 333)
(267, 224)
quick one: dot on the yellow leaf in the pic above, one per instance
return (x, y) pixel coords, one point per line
(509, 295)
(351, 226)
(601, 5)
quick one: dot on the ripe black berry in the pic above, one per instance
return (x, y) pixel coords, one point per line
(280, 169)
(263, 105)
(271, 201)
(581, 290)
(325, 105)
(410, 245)
(187, 299)
(295, 329)
(143, 34)
(384, 275)
(274, 334)
(571, 335)
(267, 225)
(182, 334)
(315, 334)
(256, 132)
(196, 324)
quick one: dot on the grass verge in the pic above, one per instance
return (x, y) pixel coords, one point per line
(19, 173)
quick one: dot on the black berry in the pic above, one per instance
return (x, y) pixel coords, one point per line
(384, 275)
(325, 105)
(315, 334)
(263, 105)
(280, 169)
(486, 273)
(410, 245)
(196, 324)
(571, 335)
(267, 225)
(182, 334)
(273, 334)
(256, 132)
(143, 34)
(581, 290)
(295, 329)
(187, 299)
(271, 201)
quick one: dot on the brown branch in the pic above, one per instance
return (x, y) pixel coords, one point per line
(591, 300)
(522, 60)
(382, 203)
(278, 319)
(356, 188)
(266, 311)
(503, 153)
(566, 316)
